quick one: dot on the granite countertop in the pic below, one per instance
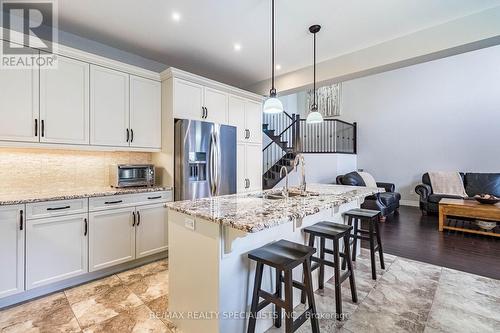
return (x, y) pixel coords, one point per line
(251, 212)
(38, 195)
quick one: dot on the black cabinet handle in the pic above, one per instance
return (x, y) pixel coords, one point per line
(153, 198)
(21, 220)
(202, 112)
(43, 128)
(128, 135)
(58, 208)
(131, 135)
(36, 127)
(248, 134)
(86, 227)
(206, 112)
(113, 202)
(138, 218)
(133, 223)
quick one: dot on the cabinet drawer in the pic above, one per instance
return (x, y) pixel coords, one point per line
(152, 198)
(110, 202)
(56, 208)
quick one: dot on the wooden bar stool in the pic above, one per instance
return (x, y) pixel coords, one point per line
(284, 256)
(335, 232)
(371, 217)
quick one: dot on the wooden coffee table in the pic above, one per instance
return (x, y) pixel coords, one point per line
(470, 209)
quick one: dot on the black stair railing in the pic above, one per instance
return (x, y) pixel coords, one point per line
(330, 136)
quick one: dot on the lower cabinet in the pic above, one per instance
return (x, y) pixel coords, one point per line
(151, 232)
(123, 234)
(56, 249)
(12, 226)
(111, 238)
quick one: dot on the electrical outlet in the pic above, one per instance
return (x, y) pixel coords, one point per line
(189, 223)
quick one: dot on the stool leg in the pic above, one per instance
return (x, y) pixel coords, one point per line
(321, 275)
(277, 309)
(255, 297)
(310, 295)
(352, 282)
(372, 251)
(349, 223)
(288, 302)
(379, 242)
(303, 294)
(355, 244)
(338, 292)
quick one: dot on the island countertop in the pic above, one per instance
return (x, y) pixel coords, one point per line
(252, 212)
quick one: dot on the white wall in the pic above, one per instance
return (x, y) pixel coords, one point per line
(440, 115)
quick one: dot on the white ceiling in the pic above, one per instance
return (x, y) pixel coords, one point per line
(202, 41)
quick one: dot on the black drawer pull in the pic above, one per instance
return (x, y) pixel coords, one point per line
(113, 202)
(21, 220)
(86, 227)
(58, 208)
(153, 198)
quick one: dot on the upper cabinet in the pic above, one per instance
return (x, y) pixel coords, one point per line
(109, 107)
(246, 115)
(145, 113)
(197, 102)
(64, 102)
(19, 104)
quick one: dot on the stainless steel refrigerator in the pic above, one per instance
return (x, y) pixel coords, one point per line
(205, 159)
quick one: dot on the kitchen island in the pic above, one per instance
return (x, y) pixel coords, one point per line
(210, 276)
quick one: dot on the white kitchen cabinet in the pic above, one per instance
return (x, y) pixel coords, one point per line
(236, 117)
(19, 104)
(109, 107)
(12, 226)
(246, 115)
(151, 230)
(145, 113)
(111, 237)
(64, 102)
(215, 106)
(249, 167)
(56, 249)
(188, 100)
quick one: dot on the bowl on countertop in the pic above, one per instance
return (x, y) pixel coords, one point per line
(487, 199)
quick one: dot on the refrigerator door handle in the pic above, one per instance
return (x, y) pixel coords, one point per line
(212, 166)
(218, 162)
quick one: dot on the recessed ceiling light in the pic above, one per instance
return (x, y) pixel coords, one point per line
(278, 67)
(237, 47)
(176, 16)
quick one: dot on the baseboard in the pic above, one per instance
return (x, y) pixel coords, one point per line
(29, 295)
(411, 203)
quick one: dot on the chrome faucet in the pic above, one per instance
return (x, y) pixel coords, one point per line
(285, 189)
(302, 186)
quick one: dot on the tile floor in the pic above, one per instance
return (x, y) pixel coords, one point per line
(409, 296)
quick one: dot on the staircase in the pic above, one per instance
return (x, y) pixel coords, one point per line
(288, 135)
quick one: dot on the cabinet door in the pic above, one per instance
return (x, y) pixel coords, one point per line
(109, 107)
(253, 165)
(64, 102)
(188, 100)
(145, 113)
(236, 117)
(111, 238)
(253, 120)
(216, 106)
(151, 230)
(11, 250)
(241, 168)
(56, 249)
(19, 104)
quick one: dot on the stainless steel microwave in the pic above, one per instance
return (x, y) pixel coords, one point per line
(128, 175)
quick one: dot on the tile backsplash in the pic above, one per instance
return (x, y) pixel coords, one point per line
(50, 169)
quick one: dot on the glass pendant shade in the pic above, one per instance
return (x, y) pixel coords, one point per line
(273, 106)
(314, 117)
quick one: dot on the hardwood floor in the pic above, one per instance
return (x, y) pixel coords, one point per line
(416, 237)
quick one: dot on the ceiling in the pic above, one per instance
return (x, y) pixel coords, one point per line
(202, 41)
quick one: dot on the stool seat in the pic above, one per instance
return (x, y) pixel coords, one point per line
(362, 213)
(282, 254)
(329, 230)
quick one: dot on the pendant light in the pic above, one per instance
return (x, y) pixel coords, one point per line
(314, 116)
(272, 105)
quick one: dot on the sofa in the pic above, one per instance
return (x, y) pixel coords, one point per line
(474, 183)
(386, 202)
